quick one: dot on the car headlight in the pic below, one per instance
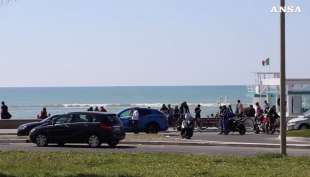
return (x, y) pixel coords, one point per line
(31, 131)
(22, 127)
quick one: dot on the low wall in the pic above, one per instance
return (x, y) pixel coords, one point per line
(14, 123)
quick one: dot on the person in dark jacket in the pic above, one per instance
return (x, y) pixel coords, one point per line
(5, 111)
(272, 116)
(198, 116)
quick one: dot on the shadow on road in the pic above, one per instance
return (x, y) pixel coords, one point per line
(87, 147)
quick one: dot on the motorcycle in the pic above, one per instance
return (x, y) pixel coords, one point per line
(236, 125)
(261, 125)
(187, 127)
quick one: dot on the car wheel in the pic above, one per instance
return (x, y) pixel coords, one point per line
(41, 140)
(303, 127)
(242, 129)
(113, 142)
(94, 141)
(152, 128)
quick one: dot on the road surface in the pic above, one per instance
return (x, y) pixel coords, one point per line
(208, 150)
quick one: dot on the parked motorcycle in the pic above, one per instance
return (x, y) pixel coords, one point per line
(187, 127)
(236, 125)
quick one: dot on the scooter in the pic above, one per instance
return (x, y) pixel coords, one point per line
(187, 127)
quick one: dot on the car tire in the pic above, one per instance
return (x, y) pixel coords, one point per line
(303, 127)
(113, 143)
(41, 140)
(94, 141)
(152, 128)
(241, 129)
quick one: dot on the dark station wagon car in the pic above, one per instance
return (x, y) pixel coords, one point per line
(93, 128)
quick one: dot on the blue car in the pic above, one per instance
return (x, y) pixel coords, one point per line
(150, 120)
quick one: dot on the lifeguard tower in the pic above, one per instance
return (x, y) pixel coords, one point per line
(267, 87)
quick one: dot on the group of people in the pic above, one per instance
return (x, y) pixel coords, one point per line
(177, 114)
(226, 113)
(97, 109)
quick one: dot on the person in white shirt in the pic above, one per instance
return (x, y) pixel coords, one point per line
(135, 121)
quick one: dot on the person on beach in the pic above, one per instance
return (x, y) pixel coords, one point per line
(176, 115)
(251, 112)
(43, 114)
(135, 121)
(198, 116)
(5, 111)
(90, 109)
(164, 109)
(239, 109)
(102, 109)
(96, 109)
(221, 120)
(170, 115)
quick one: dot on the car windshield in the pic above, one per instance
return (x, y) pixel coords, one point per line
(49, 118)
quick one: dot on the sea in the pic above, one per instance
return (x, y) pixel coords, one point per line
(26, 103)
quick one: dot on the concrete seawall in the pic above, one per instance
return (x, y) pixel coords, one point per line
(14, 123)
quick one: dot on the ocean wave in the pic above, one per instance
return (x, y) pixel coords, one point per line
(87, 105)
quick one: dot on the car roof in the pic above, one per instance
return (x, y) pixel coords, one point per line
(92, 112)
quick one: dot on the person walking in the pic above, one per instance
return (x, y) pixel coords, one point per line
(266, 107)
(198, 116)
(5, 111)
(135, 121)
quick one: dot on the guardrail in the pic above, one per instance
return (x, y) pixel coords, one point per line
(14, 123)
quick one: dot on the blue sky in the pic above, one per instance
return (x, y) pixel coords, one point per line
(146, 42)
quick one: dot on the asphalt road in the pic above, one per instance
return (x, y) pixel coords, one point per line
(209, 150)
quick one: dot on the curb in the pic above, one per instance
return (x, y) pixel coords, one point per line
(6, 141)
(217, 143)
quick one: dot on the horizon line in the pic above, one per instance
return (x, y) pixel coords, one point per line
(93, 86)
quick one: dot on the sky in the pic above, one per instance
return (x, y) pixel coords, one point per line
(147, 42)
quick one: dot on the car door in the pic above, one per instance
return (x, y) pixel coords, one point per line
(80, 125)
(125, 117)
(60, 130)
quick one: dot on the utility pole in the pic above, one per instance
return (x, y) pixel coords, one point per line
(282, 80)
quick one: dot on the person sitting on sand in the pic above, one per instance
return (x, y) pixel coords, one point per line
(102, 109)
(90, 109)
(5, 111)
(96, 109)
(43, 114)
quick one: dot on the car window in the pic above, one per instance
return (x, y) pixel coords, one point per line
(125, 114)
(110, 119)
(80, 118)
(144, 112)
(62, 119)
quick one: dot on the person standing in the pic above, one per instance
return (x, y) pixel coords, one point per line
(176, 116)
(170, 115)
(5, 111)
(198, 116)
(135, 121)
(266, 106)
(239, 109)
